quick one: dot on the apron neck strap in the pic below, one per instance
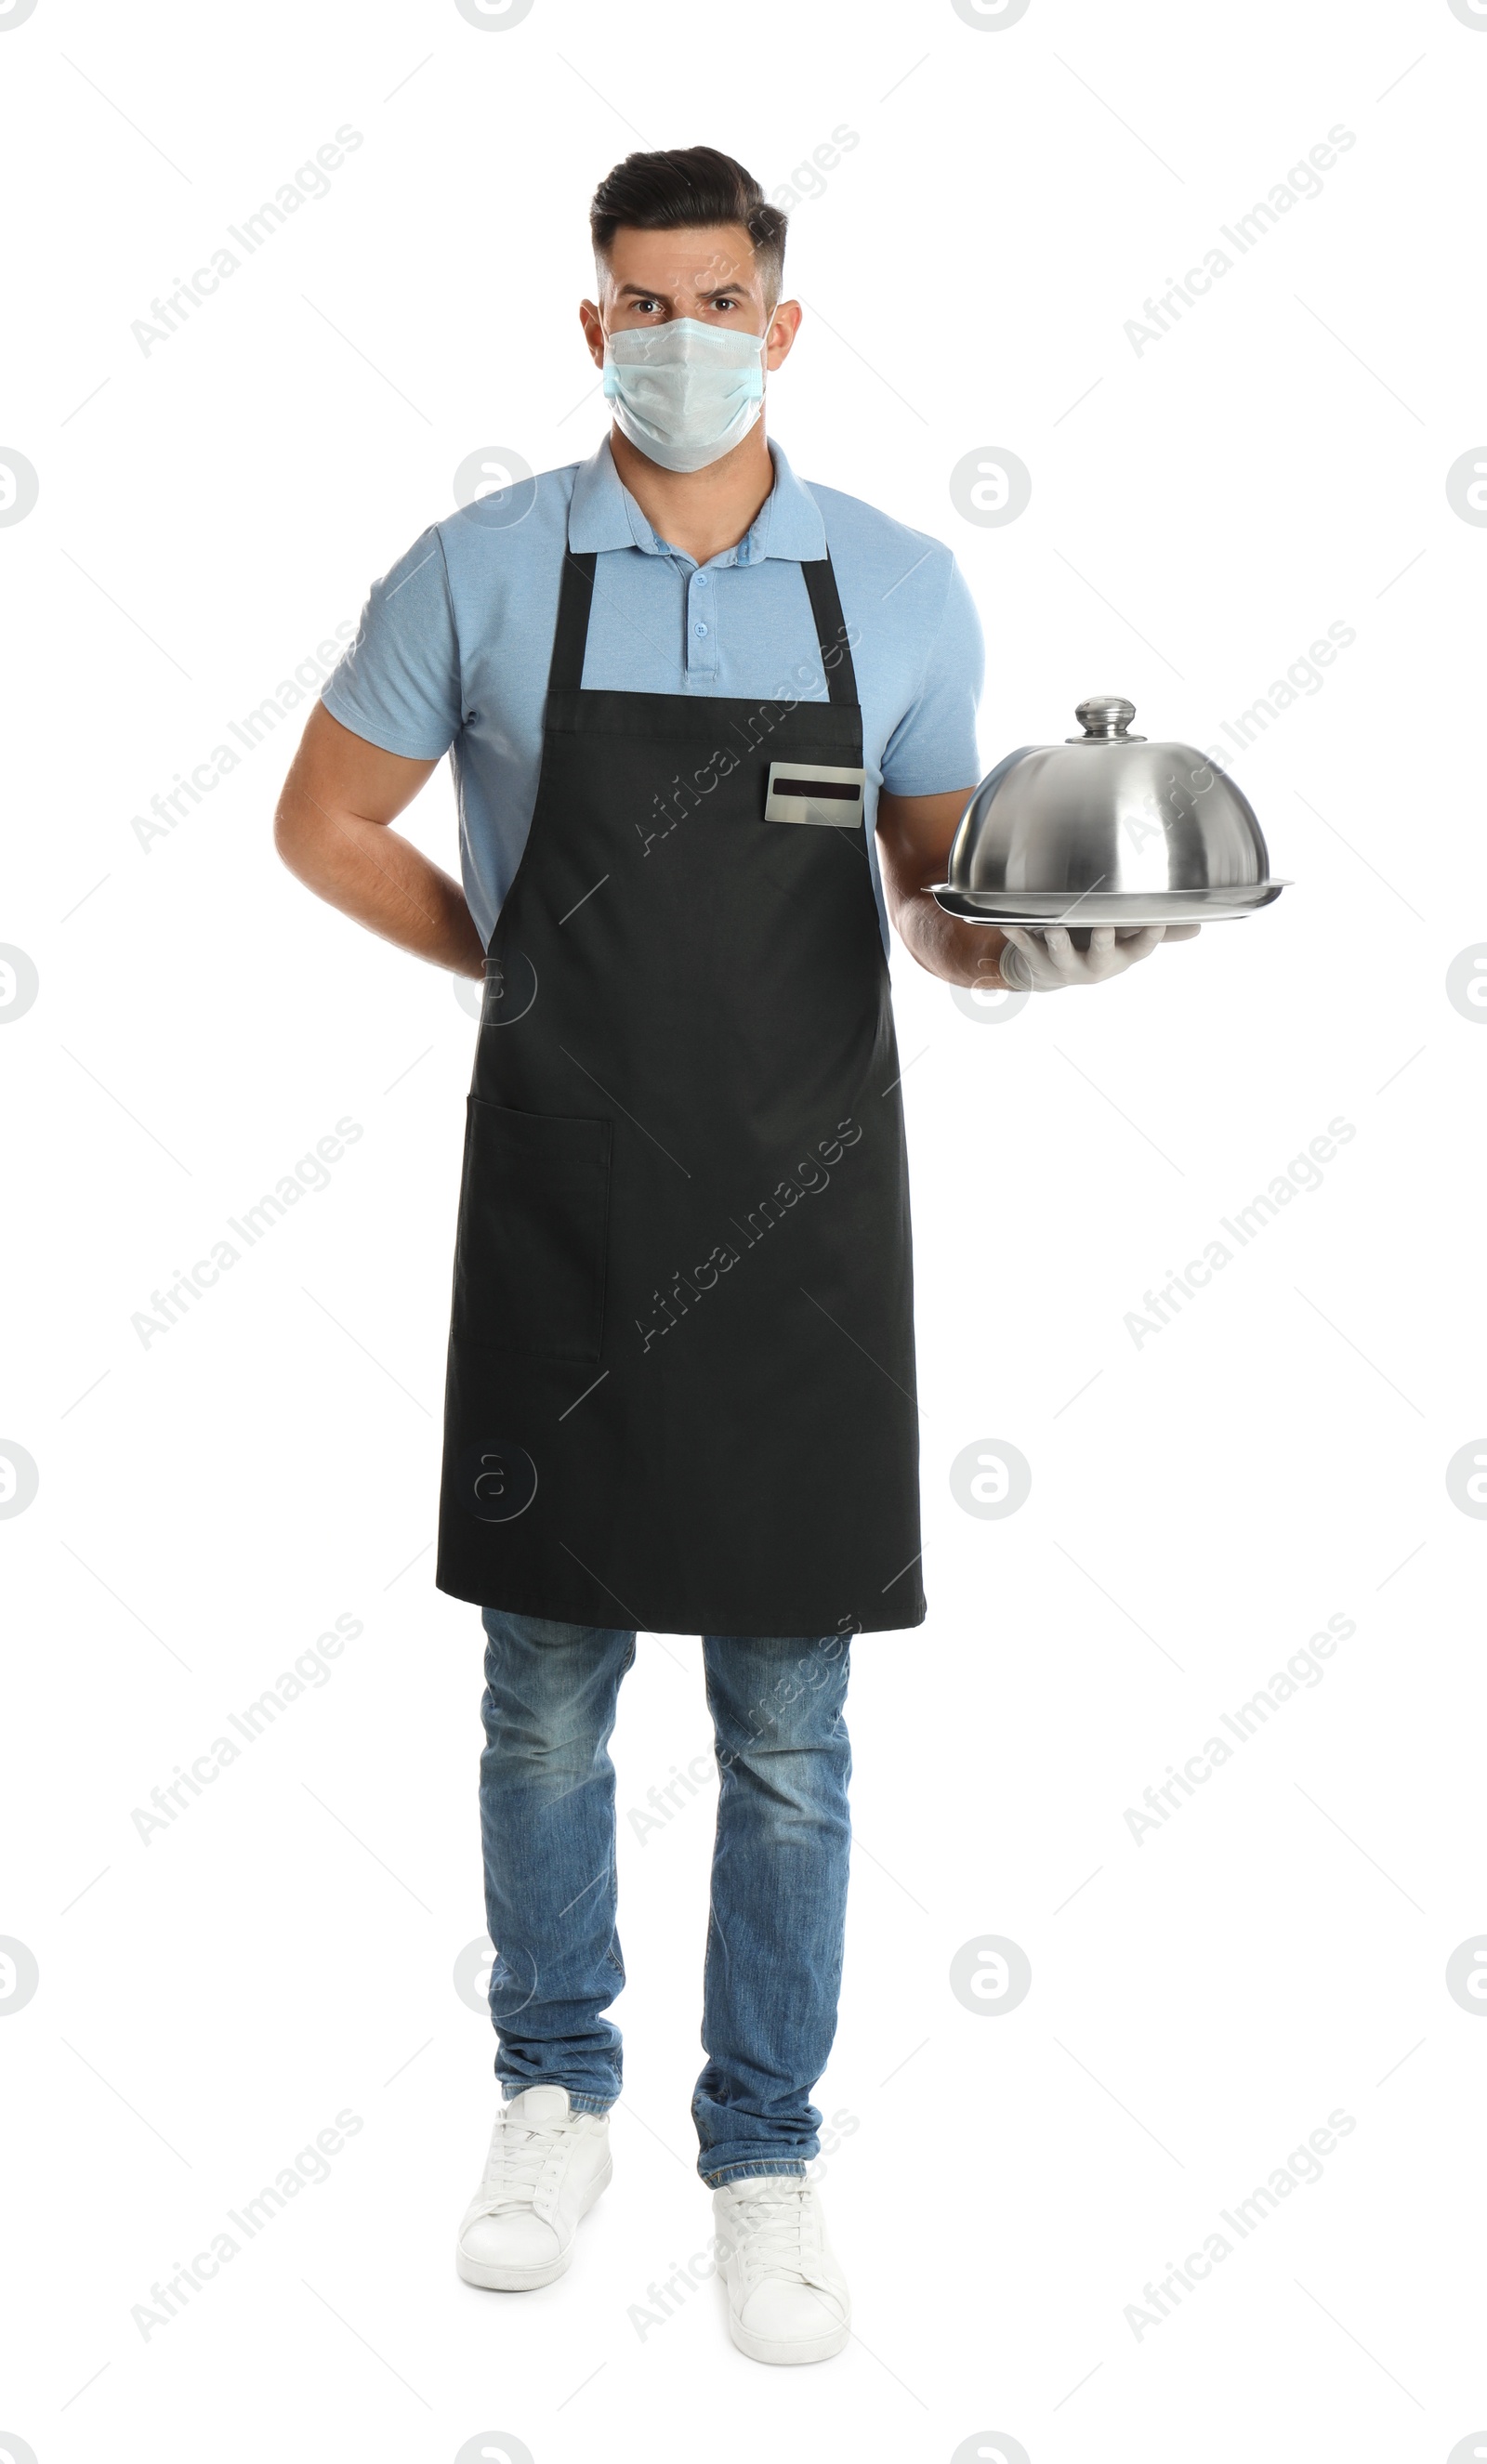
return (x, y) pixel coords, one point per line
(826, 607)
(575, 599)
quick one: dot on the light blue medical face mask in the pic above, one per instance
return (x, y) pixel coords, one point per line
(684, 394)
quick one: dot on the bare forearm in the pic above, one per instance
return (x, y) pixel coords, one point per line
(914, 834)
(960, 954)
(380, 880)
(332, 829)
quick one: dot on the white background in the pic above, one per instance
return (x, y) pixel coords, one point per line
(1004, 2186)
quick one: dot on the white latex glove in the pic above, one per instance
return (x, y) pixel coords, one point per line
(1044, 961)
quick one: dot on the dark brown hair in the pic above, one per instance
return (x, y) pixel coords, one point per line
(687, 188)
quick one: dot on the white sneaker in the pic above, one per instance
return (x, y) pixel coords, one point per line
(547, 2167)
(788, 2298)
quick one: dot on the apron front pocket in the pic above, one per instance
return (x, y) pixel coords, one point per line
(529, 1264)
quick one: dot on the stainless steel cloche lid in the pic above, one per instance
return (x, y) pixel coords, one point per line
(1107, 811)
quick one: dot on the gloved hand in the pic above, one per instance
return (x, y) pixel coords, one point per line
(1044, 961)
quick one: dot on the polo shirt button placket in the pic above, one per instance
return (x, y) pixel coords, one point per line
(701, 636)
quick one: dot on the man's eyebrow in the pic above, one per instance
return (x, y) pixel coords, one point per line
(654, 291)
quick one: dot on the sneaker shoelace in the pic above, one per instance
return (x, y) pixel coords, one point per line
(777, 2231)
(520, 2154)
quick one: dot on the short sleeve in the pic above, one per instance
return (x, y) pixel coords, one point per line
(933, 748)
(398, 683)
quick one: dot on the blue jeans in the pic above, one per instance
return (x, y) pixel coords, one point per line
(772, 1967)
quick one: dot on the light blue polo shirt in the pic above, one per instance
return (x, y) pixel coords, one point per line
(451, 652)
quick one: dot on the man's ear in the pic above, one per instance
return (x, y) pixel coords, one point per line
(781, 331)
(592, 323)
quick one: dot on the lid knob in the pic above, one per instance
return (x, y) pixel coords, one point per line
(1105, 719)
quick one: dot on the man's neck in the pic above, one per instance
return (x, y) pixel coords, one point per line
(701, 512)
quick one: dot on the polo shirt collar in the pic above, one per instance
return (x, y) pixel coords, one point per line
(603, 515)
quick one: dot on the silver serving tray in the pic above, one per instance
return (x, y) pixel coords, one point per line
(1129, 909)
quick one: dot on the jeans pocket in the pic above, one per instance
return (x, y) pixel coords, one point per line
(529, 1261)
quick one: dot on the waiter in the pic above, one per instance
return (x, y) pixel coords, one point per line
(710, 728)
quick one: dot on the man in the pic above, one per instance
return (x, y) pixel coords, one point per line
(679, 689)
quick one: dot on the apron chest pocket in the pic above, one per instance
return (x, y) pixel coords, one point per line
(533, 1211)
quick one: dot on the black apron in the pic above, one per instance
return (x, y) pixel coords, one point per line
(680, 1392)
